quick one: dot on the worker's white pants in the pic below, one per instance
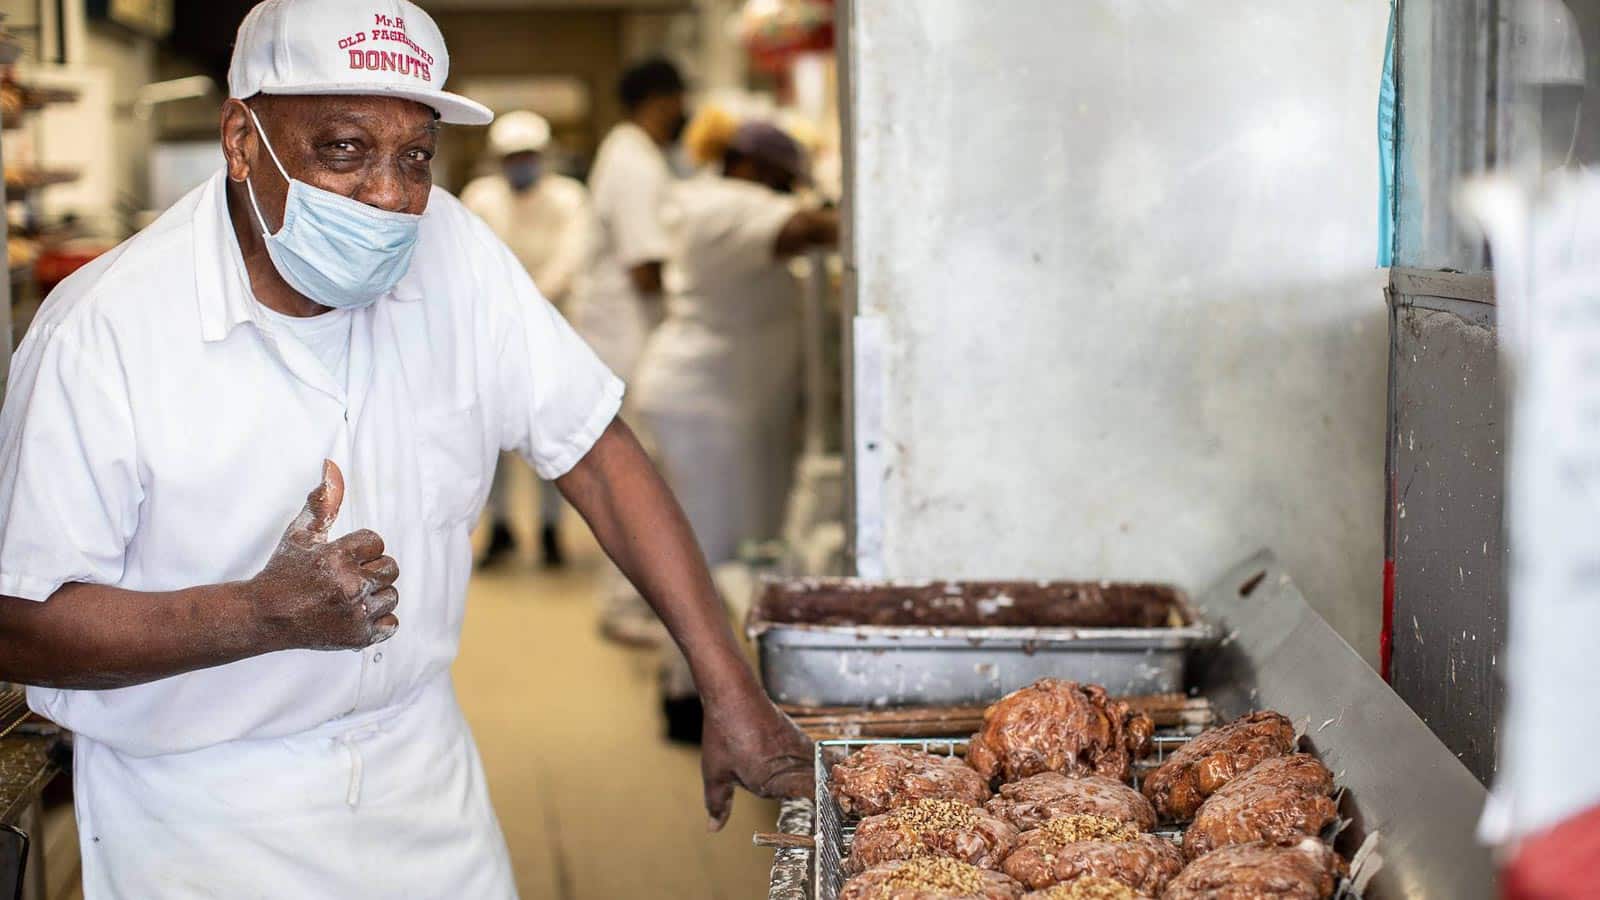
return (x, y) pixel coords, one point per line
(730, 474)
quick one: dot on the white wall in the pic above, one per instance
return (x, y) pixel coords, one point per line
(1122, 251)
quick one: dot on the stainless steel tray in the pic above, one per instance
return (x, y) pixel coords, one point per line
(810, 664)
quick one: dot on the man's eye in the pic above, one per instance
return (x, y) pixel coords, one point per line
(343, 147)
(421, 156)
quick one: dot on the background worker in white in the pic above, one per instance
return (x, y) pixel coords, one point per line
(544, 218)
(259, 680)
(718, 387)
(621, 302)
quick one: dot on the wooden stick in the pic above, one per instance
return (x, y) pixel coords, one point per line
(1167, 710)
(1150, 703)
(781, 841)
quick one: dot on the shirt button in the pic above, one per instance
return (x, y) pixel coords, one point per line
(377, 657)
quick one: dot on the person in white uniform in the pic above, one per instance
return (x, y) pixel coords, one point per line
(718, 387)
(544, 218)
(258, 679)
(621, 303)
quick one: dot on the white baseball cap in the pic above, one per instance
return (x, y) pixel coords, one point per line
(385, 47)
(519, 132)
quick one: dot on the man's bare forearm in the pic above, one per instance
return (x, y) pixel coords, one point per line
(805, 229)
(746, 740)
(636, 519)
(314, 593)
(93, 637)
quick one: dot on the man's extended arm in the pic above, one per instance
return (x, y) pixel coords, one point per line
(805, 229)
(747, 741)
(313, 594)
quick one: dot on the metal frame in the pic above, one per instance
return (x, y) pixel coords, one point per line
(1444, 593)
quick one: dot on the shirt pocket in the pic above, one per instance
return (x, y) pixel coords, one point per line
(453, 463)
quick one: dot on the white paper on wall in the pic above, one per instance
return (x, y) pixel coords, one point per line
(1546, 252)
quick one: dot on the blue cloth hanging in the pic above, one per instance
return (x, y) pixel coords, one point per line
(1388, 148)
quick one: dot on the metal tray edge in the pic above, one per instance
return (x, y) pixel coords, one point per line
(1197, 632)
(902, 636)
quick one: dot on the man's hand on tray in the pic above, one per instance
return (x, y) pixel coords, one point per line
(747, 742)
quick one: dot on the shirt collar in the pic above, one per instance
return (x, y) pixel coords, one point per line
(223, 288)
(225, 297)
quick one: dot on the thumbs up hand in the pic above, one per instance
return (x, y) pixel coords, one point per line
(318, 594)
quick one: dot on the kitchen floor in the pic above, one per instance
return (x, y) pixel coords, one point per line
(594, 804)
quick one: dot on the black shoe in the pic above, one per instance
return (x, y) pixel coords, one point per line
(501, 545)
(685, 718)
(550, 548)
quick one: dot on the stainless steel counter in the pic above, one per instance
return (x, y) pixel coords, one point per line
(1401, 784)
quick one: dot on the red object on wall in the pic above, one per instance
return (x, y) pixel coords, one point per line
(774, 32)
(1562, 863)
(53, 266)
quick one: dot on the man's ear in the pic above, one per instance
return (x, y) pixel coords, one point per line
(238, 138)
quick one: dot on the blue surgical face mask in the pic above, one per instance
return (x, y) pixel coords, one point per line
(336, 251)
(523, 173)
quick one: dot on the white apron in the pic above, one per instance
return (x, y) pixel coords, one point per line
(718, 385)
(615, 323)
(389, 803)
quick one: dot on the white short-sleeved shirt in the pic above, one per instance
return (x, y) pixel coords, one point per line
(629, 183)
(627, 187)
(730, 343)
(159, 434)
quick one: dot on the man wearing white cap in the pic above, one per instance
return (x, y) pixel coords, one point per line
(544, 218)
(258, 680)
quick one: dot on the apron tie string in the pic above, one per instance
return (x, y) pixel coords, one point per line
(351, 741)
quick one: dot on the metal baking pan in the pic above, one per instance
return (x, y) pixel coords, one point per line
(900, 642)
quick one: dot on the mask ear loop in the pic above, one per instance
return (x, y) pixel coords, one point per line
(1572, 148)
(249, 188)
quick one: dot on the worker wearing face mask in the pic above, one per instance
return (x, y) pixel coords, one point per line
(718, 387)
(258, 678)
(544, 218)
